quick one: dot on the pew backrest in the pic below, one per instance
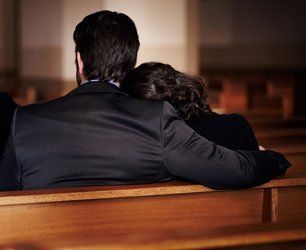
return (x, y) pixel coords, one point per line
(126, 191)
(115, 210)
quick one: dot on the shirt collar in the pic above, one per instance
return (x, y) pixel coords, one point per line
(117, 84)
(97, 86)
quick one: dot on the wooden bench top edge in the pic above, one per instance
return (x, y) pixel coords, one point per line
(126, 191)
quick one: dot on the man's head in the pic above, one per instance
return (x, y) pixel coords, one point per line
(106, 45)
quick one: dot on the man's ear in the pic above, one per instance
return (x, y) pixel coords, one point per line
(80, 64)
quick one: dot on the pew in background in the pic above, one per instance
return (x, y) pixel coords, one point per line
(285, 136)
(272, 92)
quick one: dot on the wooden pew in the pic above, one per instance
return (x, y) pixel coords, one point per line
(285, 136)
(245, 94)
(284, 90)
(274, 137)
(296, 155)
(114, 210)
(234, 96)
(290, 142)
(265, 123)
(291, 91)
(287, 236)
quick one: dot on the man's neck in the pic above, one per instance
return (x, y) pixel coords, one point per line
(117, 84)
(86, 80)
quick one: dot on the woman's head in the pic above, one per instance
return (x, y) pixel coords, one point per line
(158, 81)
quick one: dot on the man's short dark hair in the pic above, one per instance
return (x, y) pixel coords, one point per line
(108, 44)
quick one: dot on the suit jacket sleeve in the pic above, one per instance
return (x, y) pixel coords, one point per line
(10, 174)
(191, 156)
(7, 108)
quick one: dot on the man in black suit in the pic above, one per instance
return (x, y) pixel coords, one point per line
(7, 108)
(98, 135)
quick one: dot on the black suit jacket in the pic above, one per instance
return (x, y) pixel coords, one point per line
(229, 130)
(7, 108)
(97, 135)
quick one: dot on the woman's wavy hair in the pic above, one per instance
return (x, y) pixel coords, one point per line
(158, 81)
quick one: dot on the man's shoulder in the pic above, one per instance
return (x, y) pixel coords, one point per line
(125, 104)
(142, 102)
(6, 99)
(140, 108)
(32, 108)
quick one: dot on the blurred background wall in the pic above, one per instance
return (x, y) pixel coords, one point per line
(250, 51)
(38, 34)
(253, 34)
(8, 36)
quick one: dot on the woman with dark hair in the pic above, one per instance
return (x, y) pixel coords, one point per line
(188, 94)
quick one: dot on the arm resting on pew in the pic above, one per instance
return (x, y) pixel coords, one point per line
(189, 155)
(128, 191)
(186, 155)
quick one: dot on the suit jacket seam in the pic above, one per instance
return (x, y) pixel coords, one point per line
(161, 143)
(14, 146)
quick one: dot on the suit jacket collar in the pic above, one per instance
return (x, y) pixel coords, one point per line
(97, 87)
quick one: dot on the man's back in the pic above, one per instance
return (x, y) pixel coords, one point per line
(97, 135)
(93, 136)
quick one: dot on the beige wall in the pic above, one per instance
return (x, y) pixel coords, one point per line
(73, 12)
(165, 30)
(47, 48)
(40, 39)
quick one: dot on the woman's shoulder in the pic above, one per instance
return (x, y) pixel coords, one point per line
(229, 130)
(215, 121)
(236, 120)
(228, 118)
(232, 117)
